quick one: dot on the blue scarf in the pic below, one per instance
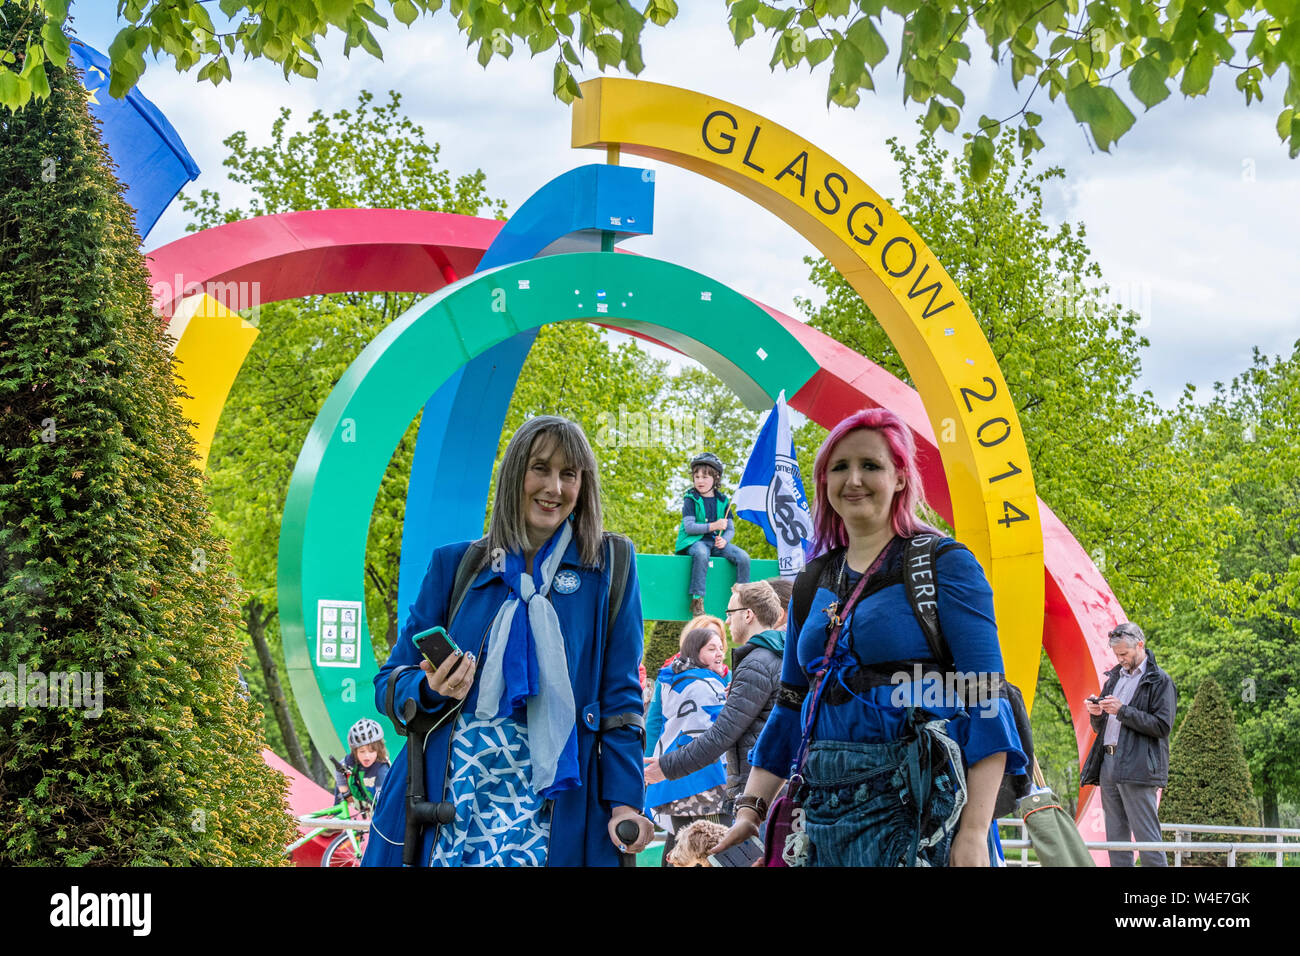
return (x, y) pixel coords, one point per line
(526, 669)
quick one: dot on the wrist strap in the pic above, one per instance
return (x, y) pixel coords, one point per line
(749, 801)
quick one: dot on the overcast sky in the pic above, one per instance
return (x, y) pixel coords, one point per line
(1192, 216)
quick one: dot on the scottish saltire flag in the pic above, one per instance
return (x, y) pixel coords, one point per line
(152, 162)
(771, 491)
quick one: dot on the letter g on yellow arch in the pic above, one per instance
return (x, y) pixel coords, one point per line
(995, 508)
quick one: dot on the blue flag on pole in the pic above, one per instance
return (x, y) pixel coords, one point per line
(771, 491)
(152, 162)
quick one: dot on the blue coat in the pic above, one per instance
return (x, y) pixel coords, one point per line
(611, 772)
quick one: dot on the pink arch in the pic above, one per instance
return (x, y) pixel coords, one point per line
(395, 250)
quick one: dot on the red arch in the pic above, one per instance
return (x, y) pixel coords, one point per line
(319, 252)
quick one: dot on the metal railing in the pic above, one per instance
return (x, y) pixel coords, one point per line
(332, 823)
(1178, 846)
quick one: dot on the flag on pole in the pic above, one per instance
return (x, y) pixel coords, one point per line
(771, 491)
(152, 162)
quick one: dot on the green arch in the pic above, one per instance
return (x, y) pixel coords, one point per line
(338, 473)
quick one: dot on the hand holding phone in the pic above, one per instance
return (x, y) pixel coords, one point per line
(745, 853)
(449, 671)
(435, 645)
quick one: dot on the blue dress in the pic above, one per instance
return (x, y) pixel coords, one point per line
(500, 819)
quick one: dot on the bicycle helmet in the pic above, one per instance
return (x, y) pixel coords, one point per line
(365, 731)
(707, 458)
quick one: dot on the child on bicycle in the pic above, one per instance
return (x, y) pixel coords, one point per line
(706, 531)
(366, 738)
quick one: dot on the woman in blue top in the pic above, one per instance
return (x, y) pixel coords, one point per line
(519, 750)
(882, 781)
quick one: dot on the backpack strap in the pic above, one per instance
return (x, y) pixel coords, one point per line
(922, 586)
(801, 598)
(921, 581)
(470, 564)
(805, 588)
(618, 552)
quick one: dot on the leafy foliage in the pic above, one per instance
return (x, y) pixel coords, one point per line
(108, 563)
(661, 644)
(1209, 781)
(1245, 631)
(374, 156)
(1060, 47)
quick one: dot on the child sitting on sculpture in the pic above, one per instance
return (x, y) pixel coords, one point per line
(707, 530)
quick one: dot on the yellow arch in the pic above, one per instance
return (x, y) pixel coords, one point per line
(995, 507)
(211, 343)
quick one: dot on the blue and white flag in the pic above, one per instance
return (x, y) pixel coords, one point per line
(152, 162)
(771, 491)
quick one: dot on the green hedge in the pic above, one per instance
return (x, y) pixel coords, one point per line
(108, 565)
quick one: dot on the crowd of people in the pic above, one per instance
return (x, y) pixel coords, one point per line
(549, 745)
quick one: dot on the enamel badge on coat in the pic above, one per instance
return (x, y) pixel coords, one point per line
(566, 582)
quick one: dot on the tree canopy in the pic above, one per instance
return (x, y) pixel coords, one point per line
(1245, 630)
(1062, 47)
(1102, 455)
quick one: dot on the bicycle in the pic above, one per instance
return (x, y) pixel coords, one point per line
(347, 848)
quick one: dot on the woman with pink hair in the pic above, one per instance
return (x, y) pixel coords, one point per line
(886, 771)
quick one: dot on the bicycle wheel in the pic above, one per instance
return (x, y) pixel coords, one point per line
(345, 849)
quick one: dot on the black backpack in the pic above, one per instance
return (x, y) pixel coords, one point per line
(921, 583)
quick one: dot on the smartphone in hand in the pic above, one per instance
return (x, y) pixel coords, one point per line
(435, 645)
(742, 854)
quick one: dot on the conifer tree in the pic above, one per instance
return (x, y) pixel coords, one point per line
(1209, 779)
(108, 567)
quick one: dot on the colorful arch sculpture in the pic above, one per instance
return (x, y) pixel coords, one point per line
(591, 207)
(385, 250)
(210, 344)
(1080, 608)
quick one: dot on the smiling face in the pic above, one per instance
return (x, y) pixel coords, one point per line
(702, 478)
(712, 655)
(861, 481)
(551, 487)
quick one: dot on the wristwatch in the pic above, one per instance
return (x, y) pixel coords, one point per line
(752, 802)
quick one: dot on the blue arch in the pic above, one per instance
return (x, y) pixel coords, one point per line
(585, 209)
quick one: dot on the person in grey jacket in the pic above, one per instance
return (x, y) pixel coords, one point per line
(752, 615)
(1129, 760)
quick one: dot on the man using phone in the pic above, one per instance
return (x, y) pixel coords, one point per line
(1129, 760)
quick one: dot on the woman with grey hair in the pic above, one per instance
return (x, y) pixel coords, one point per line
(537, 746)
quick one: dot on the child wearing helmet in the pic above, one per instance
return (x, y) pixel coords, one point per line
(706, 530)
(366, 739)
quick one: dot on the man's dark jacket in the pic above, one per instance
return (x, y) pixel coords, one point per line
(755, 679)
(1142, 752)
